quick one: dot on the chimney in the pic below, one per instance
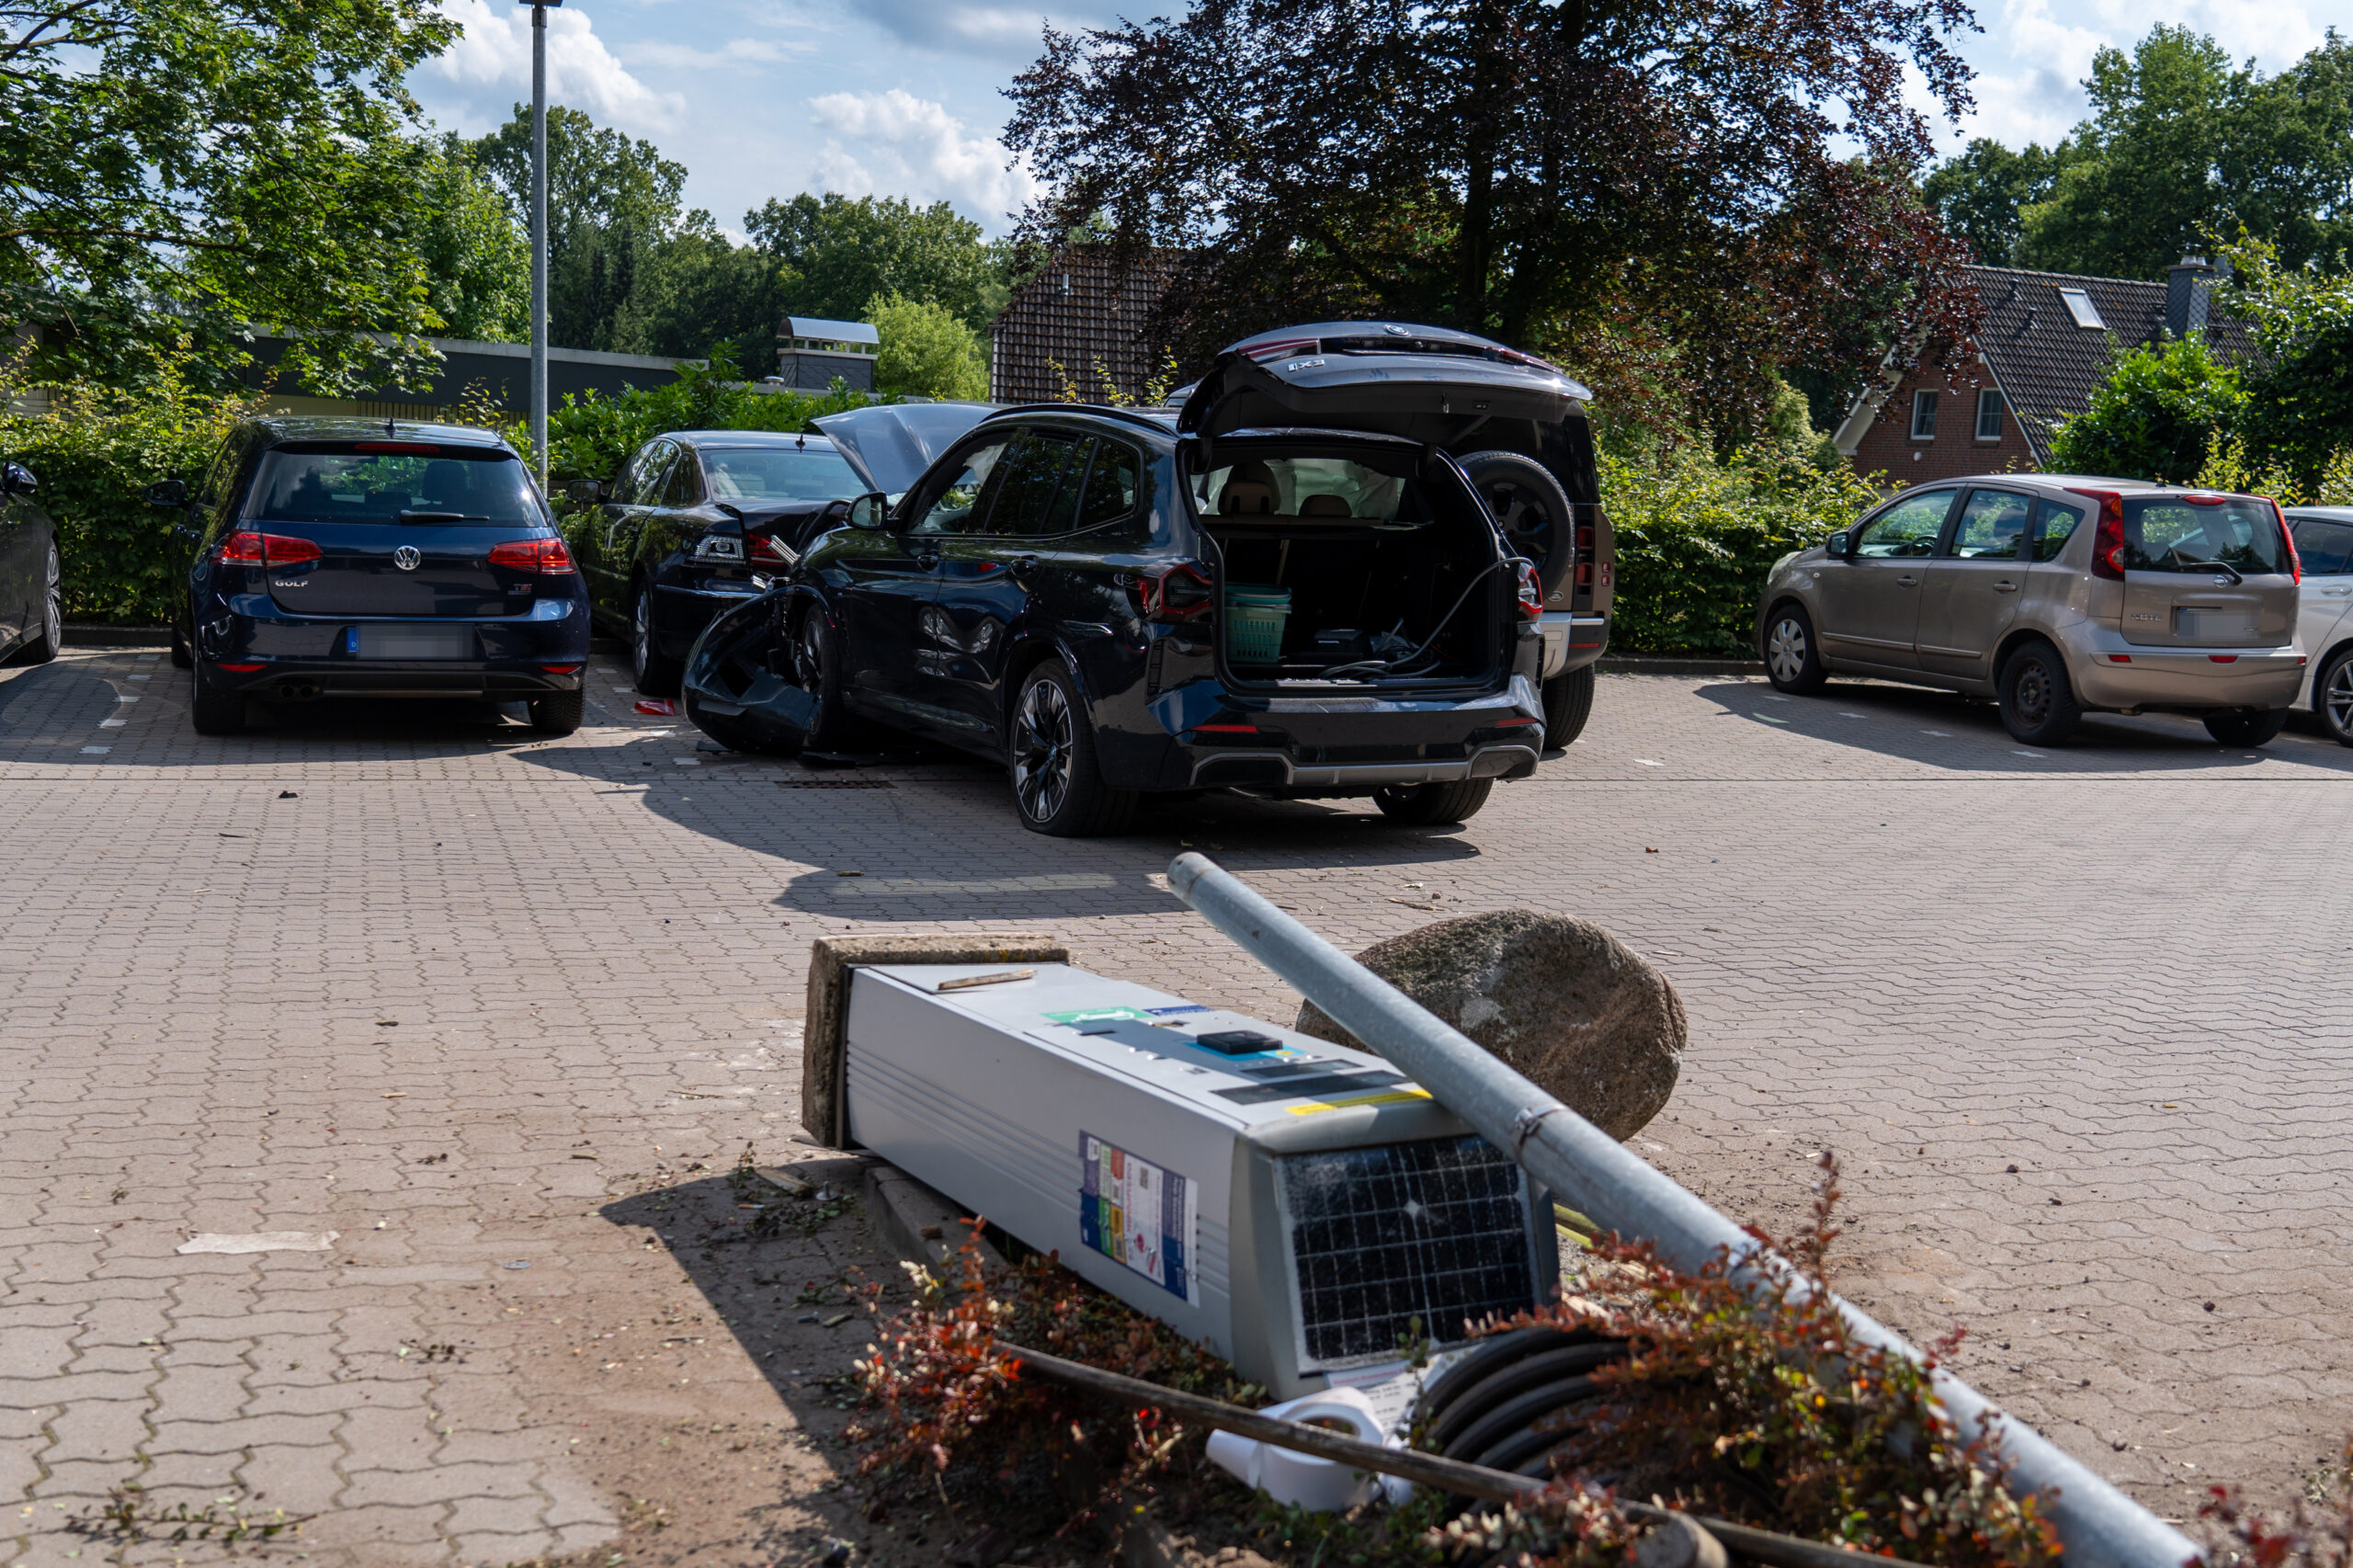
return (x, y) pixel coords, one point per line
(2189, 292)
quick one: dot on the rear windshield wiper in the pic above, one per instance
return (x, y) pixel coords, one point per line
(441, 518)
(2207, 565)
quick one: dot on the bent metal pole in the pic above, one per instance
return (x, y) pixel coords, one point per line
(1587, 1169)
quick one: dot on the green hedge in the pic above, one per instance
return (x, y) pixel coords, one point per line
(93, 451)
(1696, 537)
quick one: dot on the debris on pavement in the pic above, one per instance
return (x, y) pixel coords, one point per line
(258, 1241)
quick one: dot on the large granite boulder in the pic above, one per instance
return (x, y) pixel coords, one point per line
(1561, 1001)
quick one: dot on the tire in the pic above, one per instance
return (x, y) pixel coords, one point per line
(182, 657)
(2038, 701)
(817, 670)
(1435, 805)
(559, 712)
(1568, 703)
(51, 635)
(656, 673)
(213, 711)
(1057, 781)
(1530, 503)
(1792, 654)
(2332, 698)
(2246, 726)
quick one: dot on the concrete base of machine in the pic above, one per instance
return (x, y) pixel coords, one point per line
(917, 1223)
(823, 1109)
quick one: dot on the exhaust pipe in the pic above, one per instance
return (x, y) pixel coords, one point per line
(297, 691)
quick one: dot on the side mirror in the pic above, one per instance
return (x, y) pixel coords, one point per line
(167, 492)
(1836, 544)
(870, 511)
(584, 492)
(17, 480)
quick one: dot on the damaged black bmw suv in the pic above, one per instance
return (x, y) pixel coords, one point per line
(1359, 560)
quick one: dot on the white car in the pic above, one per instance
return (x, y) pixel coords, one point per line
(2324, 538)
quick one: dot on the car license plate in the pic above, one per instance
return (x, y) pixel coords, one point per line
(414, 642)
(2215, 625)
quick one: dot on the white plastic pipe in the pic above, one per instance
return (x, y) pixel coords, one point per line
(1587, 1169)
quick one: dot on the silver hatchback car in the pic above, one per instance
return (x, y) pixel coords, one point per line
(2055, 594)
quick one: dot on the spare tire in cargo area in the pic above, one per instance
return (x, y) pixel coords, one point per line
(1539, 523)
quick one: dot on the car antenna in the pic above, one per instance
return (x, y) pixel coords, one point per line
(388, 425)
(800, 442)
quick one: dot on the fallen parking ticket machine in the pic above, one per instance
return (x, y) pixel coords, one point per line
(1300, 1208)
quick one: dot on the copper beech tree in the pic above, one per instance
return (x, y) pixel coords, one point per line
(1680, 197)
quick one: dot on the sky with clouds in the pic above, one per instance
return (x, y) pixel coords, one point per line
(904, 97)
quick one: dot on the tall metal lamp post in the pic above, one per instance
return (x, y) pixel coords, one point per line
(539, 233)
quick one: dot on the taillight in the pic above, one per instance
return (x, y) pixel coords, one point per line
(1286, 346)
(761, 547)
(246, 548)
(1177, 591)
(2288, 538)
(1531, 593)
(547, 557)
(2107, 541)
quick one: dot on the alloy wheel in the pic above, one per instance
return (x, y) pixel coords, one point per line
(1785, 649)
(1042, 751)
(641, 639)
(2336, 701)
(1526, 522)
(54, 602)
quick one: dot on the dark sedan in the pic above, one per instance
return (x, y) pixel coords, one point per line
(33, 622)
(338, 557)
(1293, 586)
(696, 522)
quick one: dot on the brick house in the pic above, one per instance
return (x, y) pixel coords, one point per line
(2049, 341)
(1086, 307)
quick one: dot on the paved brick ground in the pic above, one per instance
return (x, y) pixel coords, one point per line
(474, 1000)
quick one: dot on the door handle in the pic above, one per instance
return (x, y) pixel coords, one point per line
(1907, 582)
(2005, 587)
(1022, 563)
(928, 561)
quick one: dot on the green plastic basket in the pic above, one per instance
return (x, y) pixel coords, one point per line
(1253, 624)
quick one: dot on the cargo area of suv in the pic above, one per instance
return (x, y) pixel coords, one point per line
(1351, 563)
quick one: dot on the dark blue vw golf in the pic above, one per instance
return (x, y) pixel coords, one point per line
(337, 557)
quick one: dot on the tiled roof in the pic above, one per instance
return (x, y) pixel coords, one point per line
(2046, 365)
(1088, 305)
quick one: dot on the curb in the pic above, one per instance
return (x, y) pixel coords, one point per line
(84, 634)
(1670, 665)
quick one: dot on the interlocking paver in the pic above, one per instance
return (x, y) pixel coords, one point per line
(2109, 966)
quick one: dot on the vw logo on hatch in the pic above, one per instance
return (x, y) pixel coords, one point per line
(408, 557)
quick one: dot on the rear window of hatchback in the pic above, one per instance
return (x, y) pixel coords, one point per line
(391, 482)
(2165, 533)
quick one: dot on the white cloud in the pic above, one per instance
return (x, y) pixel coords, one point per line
(495, 55)
(739, 53)
(894, 144)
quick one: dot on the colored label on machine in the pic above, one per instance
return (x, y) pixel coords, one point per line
(1138, 1214)
(1085, 1016)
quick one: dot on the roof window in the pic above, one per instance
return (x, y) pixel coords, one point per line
(2080, 306)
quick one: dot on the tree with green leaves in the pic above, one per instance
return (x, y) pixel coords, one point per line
(1980, 191)
(2299, 413)
(834, 253)
(1663, 194)
(2162, 409)
(927, 350)
(2180, 143)
(194, 166)
(613, 202)
(477, 257)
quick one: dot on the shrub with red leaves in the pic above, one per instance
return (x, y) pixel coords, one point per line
(2317, 1532)
(940, 1388)
(1764, 1408)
